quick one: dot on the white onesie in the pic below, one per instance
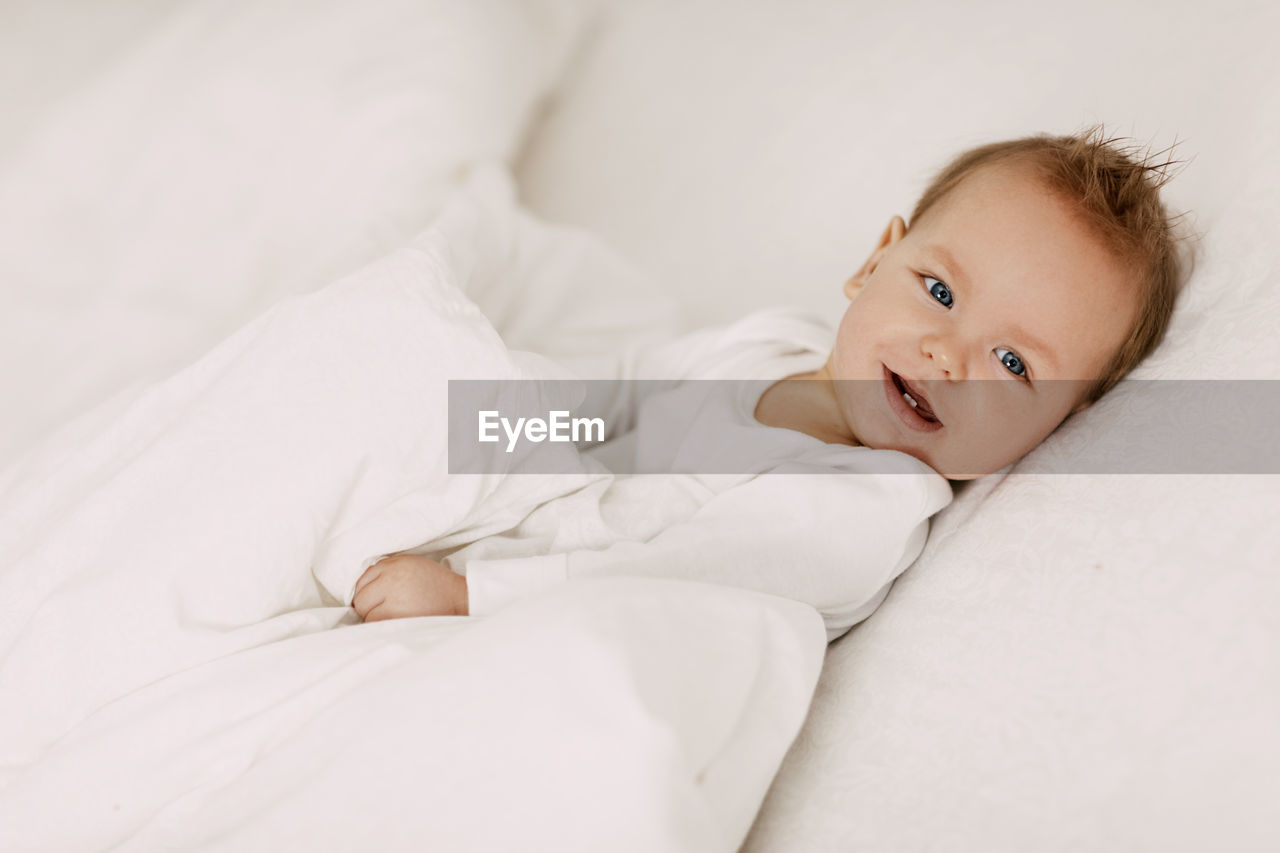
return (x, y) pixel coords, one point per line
(826, 524)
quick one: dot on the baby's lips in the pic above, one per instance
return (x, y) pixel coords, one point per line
(924, 406)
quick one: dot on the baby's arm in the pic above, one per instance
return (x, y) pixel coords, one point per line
(409, 585)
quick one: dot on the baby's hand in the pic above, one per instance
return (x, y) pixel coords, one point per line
(409, 585)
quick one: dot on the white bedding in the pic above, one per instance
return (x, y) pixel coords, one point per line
(170, 170)
(618, 714)
(1074, 663)
(255, 485)
(169, 565)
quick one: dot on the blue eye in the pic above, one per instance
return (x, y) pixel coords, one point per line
(938, 290)
(1011, 361)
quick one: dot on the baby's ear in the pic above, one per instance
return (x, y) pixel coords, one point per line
(894, 232)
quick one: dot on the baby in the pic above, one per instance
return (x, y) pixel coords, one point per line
(1034, 274)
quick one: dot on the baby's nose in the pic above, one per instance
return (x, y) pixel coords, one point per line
(941, 355)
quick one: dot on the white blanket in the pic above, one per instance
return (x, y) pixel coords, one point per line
(167, 564)
(621, 714)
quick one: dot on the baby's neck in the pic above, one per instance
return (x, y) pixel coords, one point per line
(804, 402)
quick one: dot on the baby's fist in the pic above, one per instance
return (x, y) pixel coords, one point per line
(409, 585)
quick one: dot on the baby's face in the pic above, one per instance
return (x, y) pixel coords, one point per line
(998, 307)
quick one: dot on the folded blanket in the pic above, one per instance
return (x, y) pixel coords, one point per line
(169, 565)
(238, 502)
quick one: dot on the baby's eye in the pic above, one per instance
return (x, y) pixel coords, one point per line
(1011, 361)
(938, 290)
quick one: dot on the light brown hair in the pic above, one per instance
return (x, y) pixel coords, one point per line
(1116, 189)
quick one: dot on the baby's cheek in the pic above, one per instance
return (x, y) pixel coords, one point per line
(1007, 439)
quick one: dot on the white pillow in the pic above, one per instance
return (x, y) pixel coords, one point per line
(238, 152)
(757, 150)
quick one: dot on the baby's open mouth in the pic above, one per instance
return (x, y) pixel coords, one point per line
(915, 398)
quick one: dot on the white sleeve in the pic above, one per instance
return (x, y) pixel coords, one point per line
(662, 364)
(562, 293)
(832, 540)
(700, 354)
